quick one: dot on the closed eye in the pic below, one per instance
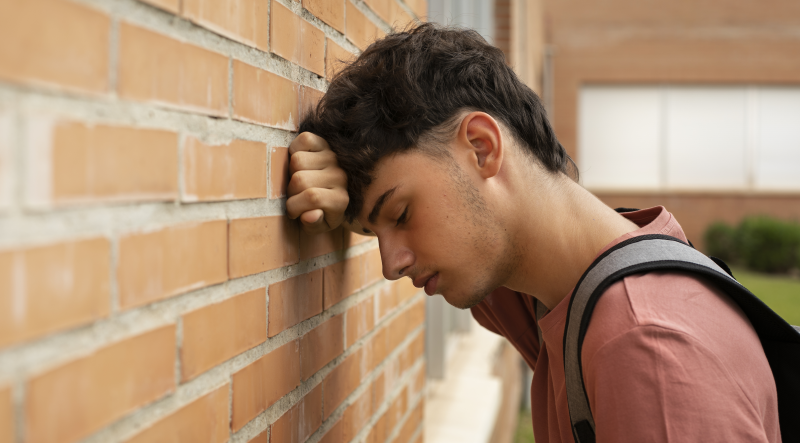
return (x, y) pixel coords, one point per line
(402, 218)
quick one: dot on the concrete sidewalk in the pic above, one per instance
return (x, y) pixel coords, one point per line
(463, 407)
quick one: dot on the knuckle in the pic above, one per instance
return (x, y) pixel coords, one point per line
(296, 161)
(299, 181)
(305, 138)
(314, 197)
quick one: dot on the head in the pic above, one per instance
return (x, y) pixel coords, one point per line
(422, 122)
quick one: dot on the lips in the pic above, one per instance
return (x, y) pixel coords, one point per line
(430, 285)
(428, 282)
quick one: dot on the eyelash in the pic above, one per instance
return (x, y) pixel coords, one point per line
(402, 218)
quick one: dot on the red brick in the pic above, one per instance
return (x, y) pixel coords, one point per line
(396, 411)
(329, 11)
(360, 320)
(234, 171)
(215, 333)
(416, 315)
(54, 42)
(359, 29)
(167, 5)
(321, 345)
(73, 400)
(157, 265)
(102, 163)
(156, 68)
(341, 381)
(263, 243)
(387, 300)
(342, 279)
(420, 8)
(297, 40)
(411, 424)
(6, 416)
(412, 352)
(378, 432)
(356, 415)
(315, 245)
(246, 21)
(52, 288)
(387, 422)
(335, 58)
(334, 434)
(278, 172)
(264, 98)
(378, 346)
(309, 97)
(398, 17)
(261, 438)
(294, 300)
(263, 382)
(382, 8)
(299, 422)
(351, 239)
(419, 380)
(397, 331)
(373, 267)
(405, 289)
(203, 420)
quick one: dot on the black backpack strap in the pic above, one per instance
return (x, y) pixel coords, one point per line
(644, 254)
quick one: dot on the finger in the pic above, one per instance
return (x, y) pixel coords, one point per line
(313, 222)
(307, 141)
(327, 179)
(333, 203)
(307, 160)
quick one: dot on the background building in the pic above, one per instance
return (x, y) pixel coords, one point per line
(694, 106)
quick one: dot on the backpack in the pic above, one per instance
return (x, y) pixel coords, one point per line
(646, 253)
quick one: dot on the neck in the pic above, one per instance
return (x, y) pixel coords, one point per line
(559, 232)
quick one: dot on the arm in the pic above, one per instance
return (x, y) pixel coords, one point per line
(660, 385)
(317, 189)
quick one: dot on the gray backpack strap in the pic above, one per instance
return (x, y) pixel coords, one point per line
(639, 254)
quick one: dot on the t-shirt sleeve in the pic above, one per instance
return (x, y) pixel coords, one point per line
(655, 384)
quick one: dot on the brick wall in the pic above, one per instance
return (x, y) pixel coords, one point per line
(151, 288)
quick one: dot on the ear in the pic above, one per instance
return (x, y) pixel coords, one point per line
(480, 134)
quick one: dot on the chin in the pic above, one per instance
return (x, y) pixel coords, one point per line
(465, 300)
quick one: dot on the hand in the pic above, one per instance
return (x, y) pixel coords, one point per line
(318, 186)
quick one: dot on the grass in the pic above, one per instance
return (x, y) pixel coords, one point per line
(780, 293)
(524, 428)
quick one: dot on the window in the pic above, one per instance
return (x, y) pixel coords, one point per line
(689, 138)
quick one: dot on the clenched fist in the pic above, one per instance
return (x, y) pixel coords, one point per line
(318, 186)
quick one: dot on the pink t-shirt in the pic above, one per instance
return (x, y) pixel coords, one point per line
(666, 358)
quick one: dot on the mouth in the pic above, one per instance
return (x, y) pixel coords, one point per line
(431, 283)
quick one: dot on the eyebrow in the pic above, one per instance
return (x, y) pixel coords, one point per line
(373, 215)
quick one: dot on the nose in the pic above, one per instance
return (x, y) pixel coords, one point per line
(396, 258)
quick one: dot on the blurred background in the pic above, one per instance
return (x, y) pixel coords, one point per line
(692, 105)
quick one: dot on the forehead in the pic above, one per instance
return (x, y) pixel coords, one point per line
(400, 171)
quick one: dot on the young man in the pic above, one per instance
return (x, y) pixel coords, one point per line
(429, 141)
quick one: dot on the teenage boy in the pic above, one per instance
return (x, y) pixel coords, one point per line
(430, 142)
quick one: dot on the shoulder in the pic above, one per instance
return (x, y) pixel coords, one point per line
(673, 301)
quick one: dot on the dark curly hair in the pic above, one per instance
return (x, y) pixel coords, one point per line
(408, 85)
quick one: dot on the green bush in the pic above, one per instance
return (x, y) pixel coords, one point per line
(768, 245)
(720, 239)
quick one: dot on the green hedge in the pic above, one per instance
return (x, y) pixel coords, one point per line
(760, 243)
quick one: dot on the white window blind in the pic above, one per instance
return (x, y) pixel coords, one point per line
(689, 138)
